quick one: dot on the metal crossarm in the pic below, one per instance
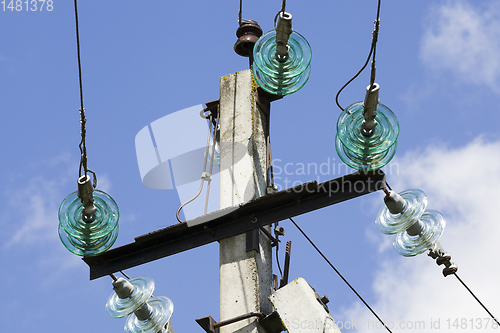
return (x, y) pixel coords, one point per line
(263, 211)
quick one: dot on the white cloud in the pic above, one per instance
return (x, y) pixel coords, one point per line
(34, 208)
(462, 183)
(464, 39)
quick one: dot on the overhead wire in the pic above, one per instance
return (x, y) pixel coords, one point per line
(282, 10)
(83, 130)
(240, 12)
(283, 5)
(340, 275)
(372, 52)
(477, 299)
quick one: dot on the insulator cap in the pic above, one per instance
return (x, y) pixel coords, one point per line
(394, 202)
(416, 228)
(120, 307)
(85, 190)
(123, 288)
(283, 31)
(370, 108)
(248, 33)
(144, 312)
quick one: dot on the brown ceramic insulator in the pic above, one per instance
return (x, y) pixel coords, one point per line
(248, 33)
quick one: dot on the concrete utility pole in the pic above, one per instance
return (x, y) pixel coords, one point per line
(245, 273)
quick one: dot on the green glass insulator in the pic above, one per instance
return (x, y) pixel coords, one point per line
(285, 76)
(278, 86)
(363, 152)
(88, 238)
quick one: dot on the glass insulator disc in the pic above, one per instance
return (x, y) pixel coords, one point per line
(388, 223)
(298, 60)
(409, 246)
(143, 289)
(106, 217)
(162, 311)
(280, 86)
(364, 152)
(87, 247)
(365, 162)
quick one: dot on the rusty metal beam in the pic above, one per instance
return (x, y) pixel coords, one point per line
(265, 210)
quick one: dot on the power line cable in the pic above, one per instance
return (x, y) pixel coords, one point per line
(240, 12)
(372, 52)
(83, 131)
(477, 299)
(338, 273)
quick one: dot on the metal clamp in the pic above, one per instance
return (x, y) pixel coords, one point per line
(370, 108)
(443, 258)
(85, 190)
(283, 32)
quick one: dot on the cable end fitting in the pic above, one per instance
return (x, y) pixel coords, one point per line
(283, 32)
(370, 108)
(443, 258)
(85, 190)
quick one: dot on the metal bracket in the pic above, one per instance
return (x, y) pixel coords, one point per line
(274, 241)
(272, 323)
(252, 240)
(210, 326)
(207, 323)
(212, 107)
(286, 269)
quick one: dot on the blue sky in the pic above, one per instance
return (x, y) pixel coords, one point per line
(438, 66)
